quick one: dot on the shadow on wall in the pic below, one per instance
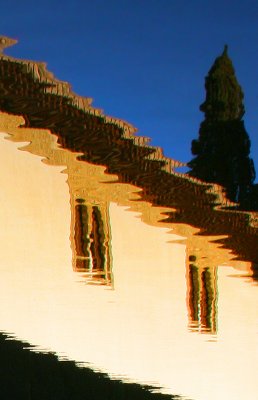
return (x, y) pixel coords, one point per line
(26, 375)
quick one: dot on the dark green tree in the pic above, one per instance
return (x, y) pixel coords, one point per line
(223, 147)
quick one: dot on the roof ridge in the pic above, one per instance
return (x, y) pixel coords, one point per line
(53, 86)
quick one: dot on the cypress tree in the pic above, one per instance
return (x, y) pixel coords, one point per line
(223, 147)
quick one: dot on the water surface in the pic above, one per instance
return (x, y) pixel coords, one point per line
(92, 272)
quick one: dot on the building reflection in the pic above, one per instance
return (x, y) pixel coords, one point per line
(202, 297)
(92, 190)
(146, 320)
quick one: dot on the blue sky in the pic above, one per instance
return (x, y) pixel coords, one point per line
(143, 61)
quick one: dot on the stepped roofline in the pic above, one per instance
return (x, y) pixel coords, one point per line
(28, 89)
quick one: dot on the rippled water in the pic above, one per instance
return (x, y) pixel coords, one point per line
(95, 274)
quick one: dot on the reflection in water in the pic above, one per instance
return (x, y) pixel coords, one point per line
(91, 242)
(45, 102)
(142, 330)
(202, 293)
(170, 279)
(30, 375)
(81, 232)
